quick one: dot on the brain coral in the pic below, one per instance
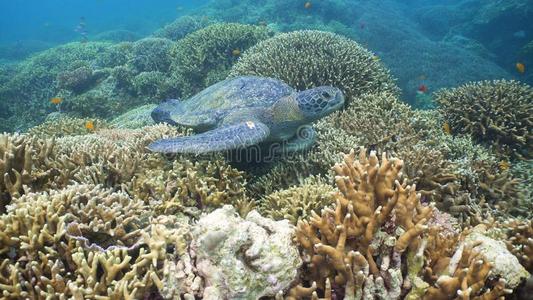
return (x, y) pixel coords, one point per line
(309, 58)
(498, 113)
(205, 56)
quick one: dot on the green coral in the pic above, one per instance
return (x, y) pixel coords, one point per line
(181, 27)
(151, 54)
(35, 79)
(135, 118)
(306, 59)
(205, 56)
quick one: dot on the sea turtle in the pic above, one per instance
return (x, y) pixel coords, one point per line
(245, 111)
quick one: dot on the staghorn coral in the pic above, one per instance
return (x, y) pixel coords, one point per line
(205, 56)
(297, 202)
(342, 244)
(464, 276)
(306, 59)
(518, 236)
(497, 113)
(26, 164)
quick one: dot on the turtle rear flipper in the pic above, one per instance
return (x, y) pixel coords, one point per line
(224, 138)
(173, 112)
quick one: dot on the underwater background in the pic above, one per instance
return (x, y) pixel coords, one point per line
(420, 187)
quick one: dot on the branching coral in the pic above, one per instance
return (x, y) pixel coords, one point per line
(305, 59)
(43, 255)
(186, 184)
(498, 113)
(374, 217)
(205, 56)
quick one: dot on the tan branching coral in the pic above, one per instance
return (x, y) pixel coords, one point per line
(26, 164)
(464, 278)
(498, 113)
(519, 240)
(195, 184)
(374, 216)
(298, 202)
(57, 244)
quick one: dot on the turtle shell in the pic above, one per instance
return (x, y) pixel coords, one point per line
(214, 102)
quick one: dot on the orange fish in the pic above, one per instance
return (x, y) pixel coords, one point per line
(520, 67)
(236, 52)
(446, 128)
(89, 125)
(504, 165)
(308, 5)
(56, 100)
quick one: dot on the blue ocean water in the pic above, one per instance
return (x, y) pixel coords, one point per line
(55, 21)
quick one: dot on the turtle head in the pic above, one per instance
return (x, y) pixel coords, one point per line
(163, 112)
(318, 102)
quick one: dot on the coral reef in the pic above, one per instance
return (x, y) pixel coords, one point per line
(379, 241)
(43, 256)
(498, 113)
(181, 27)
(205, 56)
(34, 81)
(306, 59)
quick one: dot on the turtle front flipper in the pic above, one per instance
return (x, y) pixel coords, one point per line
(303, 140)
(224, 138)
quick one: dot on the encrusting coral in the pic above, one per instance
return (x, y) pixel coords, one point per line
(306, 59)
(497, 113)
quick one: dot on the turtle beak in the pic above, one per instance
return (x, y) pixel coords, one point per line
(336, 102)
